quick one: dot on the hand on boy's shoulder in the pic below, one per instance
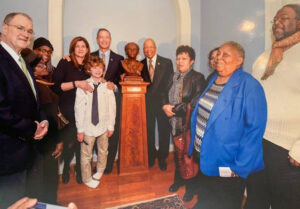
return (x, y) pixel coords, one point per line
(110, 85)
(102, 80)
(84, 85)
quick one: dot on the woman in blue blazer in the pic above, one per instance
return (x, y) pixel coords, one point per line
(227, 127)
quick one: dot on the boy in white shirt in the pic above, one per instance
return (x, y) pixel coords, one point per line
(95, 119)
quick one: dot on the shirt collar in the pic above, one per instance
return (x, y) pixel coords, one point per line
(107, 53)
(12, 53)
(153, 60)
(91, 81)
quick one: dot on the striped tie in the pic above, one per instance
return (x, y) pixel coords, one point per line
(151, 70)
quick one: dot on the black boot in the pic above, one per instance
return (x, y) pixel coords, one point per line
(188, 196)
(66, 175)
(174, 187)
(78, 178)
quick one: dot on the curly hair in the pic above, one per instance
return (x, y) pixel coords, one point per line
(186, 49)
(94, 61)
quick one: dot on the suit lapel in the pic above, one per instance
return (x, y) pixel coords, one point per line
(225, 98)
(146, 71)
(158, 72)
(33, 80)
(18, 71)
(110, 63)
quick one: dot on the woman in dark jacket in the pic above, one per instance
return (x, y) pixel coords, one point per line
(184, 87)
(43, 176)
(68, 76)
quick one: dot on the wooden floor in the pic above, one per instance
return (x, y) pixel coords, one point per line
(115, 190)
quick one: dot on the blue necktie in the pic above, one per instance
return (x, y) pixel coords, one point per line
(95, 113)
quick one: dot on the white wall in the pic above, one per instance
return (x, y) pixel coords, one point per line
(133, 20)
(195, 6)
(36, 9)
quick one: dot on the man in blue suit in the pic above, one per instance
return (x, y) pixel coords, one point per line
(19, 108)
(113, 71)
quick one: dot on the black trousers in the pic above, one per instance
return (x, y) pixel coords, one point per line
(219, 193)
(42, 178)
(71, 146)
(113, 141)
(278, 185)
(155, 114)
(12, 188)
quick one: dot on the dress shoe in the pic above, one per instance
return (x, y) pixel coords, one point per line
(174, 187)
(65, 177)
(162, 165)
(187, 197)
(78, 178)
(97, 176)
(92, 183)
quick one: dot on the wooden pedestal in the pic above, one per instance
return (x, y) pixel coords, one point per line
(133, 157)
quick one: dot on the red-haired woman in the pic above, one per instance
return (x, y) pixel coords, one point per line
(68, 76)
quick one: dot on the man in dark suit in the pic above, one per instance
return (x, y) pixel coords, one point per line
(113, 70)
(19, 108)
(157, 70)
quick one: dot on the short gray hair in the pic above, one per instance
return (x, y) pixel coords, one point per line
(10, 16)
(238, 47)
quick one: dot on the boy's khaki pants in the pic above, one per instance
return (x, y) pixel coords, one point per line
(87, 154)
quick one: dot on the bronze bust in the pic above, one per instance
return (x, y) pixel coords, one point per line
(131, 65)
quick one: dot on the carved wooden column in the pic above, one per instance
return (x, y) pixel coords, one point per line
(133, 157)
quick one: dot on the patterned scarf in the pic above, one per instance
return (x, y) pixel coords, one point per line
(278, 47)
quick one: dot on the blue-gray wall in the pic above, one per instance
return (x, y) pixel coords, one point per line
(222, 20)
(133, 20)
(36, 9)
(213, 23)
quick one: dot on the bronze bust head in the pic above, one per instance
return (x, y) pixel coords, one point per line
(131, 65)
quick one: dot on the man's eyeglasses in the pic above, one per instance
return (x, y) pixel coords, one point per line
(45, 51)
(21, 28)
(282, 19)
